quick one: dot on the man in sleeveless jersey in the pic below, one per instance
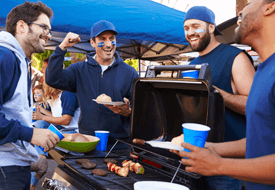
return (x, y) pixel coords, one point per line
(232, 71)
(255, 29)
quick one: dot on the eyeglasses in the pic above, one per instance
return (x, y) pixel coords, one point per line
(46, 29)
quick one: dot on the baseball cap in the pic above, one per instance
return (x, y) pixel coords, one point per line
(102, 26)
(202, 13)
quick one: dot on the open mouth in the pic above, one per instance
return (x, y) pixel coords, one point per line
(43, 37)
(194, 39)
(239, 22)
(107, 50)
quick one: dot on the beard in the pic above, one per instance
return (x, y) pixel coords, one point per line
(238, 35)
(203, 42)
(33, 41)
(248, 25)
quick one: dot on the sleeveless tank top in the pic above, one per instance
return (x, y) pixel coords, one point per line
(221, 60)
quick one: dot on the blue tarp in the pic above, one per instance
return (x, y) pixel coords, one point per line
(146, 29)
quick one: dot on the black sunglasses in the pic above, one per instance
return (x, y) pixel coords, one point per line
(46, 29)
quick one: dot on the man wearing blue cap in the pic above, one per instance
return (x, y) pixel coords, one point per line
(102, 72)
(256, 29)
(232, 70)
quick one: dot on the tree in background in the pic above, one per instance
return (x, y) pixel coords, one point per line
(37, 59)
(77, 57)
(132, 63)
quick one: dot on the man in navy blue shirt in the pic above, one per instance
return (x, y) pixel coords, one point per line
(232, 71)
(27, 30)
(102, 72)
(256, 29)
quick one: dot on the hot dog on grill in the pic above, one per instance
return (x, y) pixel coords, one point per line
(139, 141)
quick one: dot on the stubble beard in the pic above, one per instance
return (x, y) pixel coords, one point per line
(33, 41)
(248, 25)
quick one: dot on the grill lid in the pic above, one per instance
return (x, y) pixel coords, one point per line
(161, 105)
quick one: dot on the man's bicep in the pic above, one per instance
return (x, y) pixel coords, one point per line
(242, 74)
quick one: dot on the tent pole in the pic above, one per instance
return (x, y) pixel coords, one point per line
(139, 66)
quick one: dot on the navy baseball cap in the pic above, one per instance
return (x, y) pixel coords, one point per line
(102, 26)
(202, 13)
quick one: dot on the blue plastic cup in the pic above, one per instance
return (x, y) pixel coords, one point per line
(190, 74)
(34, 109)
(56, 131)
(195, 134)
(103, 136)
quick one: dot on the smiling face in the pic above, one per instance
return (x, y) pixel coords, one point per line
(105, 47)
(197, 34)
(36, 38)
(249, 22)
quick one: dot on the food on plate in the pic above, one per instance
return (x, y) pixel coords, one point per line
(136, 167)
(139, 141)
(82, 160)
(100, 172)
(122, 171)
(88, 165)
(178, 140)
(104, 98)
(77, 137)
(111, 160)
(67, 138)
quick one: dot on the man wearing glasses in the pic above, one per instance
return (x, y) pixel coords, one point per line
(27, 31)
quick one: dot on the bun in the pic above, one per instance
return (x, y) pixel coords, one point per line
(104, 97)
(77, 137)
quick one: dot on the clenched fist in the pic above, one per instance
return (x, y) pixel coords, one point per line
(69, 41)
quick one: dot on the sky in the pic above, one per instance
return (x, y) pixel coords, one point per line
(224, 10)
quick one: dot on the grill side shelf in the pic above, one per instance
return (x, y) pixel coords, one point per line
(160, 160)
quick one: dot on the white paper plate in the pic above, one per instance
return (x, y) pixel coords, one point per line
(165, 145)
(109, 103)
(158, 185)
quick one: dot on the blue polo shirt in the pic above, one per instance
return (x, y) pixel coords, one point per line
(260, 114)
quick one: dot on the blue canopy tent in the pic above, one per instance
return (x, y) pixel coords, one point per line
(147, 30)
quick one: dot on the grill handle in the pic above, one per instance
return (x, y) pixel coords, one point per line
(204, 71)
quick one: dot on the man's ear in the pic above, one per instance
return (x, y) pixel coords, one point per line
(92, 43)
(21, 27)
(211, 28)
(270, 9)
